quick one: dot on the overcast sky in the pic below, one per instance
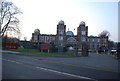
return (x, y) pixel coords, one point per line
(45, 15)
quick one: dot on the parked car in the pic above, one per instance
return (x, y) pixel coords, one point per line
(102, 50)
(113, 51)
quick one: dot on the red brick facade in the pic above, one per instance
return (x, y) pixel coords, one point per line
(62, 37)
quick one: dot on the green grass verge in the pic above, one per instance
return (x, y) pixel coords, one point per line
(36, 51)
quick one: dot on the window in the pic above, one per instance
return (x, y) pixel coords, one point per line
(88, 40)
(42, 37)
(61, 32)
(105, 40)
(53, 38)
(45, 38)
(93, 46)
(60, 37)
(35, 37)
(98, 46)
(92, 40)
(105, 45)
(83, 32)
(83, 39)
(98, 40)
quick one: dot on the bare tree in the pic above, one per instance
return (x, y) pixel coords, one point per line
(104, 33)
(8, 17)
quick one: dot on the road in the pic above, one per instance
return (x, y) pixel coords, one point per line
(29, 67)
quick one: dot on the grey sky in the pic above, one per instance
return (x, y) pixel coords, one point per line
(45, 15)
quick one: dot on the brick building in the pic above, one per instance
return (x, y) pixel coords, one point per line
(62, 38)
(96, 42)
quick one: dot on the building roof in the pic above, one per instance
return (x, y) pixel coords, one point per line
(96, 37)
(47, 35)
(61, 22)
(69, 33)
(36, 31)
(82, 23)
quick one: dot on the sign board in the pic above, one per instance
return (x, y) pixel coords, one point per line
(10, 44)
(45, 46)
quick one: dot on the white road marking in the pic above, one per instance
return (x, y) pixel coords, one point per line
(65, 73)
(12, 61)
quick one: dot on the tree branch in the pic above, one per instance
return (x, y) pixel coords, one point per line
(8, 18)
(5, 27)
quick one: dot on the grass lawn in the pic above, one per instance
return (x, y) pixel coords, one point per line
(36, 51)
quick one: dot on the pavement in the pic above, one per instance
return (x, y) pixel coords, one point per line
(94, 61)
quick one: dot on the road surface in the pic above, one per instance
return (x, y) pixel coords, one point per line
(29, 67)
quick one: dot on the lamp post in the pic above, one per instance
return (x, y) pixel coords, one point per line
(38, 40)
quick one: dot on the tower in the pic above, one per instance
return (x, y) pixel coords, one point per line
(61, 34)
(36, 35)
(82, 33)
